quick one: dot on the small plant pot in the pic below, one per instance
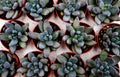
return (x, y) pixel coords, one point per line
(60, 63)
(14, 61)
(106, 41)
(60, 13)
(42, 63)
(6, 43)
(55, 28)
(88, 69)
(44, 17)
(13, 13)
(98, 11)
(88, 48)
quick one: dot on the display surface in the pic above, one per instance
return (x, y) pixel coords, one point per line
(57, 29)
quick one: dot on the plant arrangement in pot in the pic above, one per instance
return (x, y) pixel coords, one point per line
(47, 36)
(11, 9)
(79, 37)
(39, 9)
(103, 66)
(109, 38)
(104, 11)
(68, 10)
(34, 64)
(14, 35)
(8, 64)
(68, 65)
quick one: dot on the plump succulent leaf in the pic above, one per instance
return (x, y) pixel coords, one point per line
(61, 59)
(103, 55)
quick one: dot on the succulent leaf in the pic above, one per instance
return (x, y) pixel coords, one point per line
(61, 59)
(60, 72)
(4, 37)
(72, 74)
(33, 35)
(80, 70)
(103, 55)
(47, 27)
(76, 23)
(13, 42)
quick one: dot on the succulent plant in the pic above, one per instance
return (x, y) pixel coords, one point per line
(10, 8)
(47, 37)
(69, 9)
(14, 34)
(104, 10)
(103, 66)
(68, 65)
(109, 39)
(79, 36)
(34, 65)
(8, 65)
(38, 9)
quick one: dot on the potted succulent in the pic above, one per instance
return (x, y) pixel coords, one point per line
(47, 36)
(38, 9)
(8, 64)
(104, 11)
(11, 9)
(109, 38)
(68, 10)
(34, 64)
(103, 66)
(14, 35)
(79, 37)
(68, 65)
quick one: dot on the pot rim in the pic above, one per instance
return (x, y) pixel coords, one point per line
(60, 17)
(18, 15)
(98, 56)
(98, 36)
(44, 17)
(17, 49)
(93, 18)
(70, 53)
(33, 40)
(39, 52)
(85, 50)
(15, 57)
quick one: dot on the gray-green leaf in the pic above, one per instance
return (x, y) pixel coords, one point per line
(61, 59)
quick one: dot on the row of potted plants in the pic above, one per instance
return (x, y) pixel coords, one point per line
(47, 36)
(101, 11)
(35, 64)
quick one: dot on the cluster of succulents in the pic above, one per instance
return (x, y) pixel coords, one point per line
(37, 9)
(68, 65)
(47, 37)
(69, 9)
(103, 66)
(8, 65)
(15, 35)
(109, 39)
(79, 37)
(10, 8)
(104, 10)
(34, 65)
